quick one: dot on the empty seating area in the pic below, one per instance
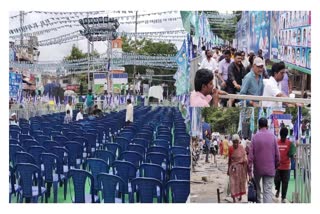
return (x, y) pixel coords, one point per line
(101, 160)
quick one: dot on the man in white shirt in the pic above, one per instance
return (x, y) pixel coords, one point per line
(105, 88)
(272, 87)
(13, 119)
(69, 107)
(80, 115)
(210, 64)
(129, 112)
(203, 53)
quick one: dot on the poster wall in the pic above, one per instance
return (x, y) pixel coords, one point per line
(295, 38)
(15, 82)
(275, 34)
(118, 80)
(260, 32)
(98, 80)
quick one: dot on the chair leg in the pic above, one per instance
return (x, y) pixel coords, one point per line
(65, 189)
(55, 192)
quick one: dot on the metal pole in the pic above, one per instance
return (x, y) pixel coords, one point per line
(135, 51)
(88, 57)
(21, 24)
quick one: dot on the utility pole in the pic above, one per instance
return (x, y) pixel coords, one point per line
(88, 57)
(21, 24)
(135, 51)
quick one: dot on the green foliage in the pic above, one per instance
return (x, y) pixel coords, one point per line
(294, 111)
(222, 120)
(75, 53)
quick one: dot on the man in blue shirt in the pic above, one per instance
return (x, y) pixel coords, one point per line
(253, 82)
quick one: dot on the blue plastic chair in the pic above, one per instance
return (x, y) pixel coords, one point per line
(24, 157)
(126, 171)
(23, 137)
(14, 134)
(158, 158)
(65, 131)
(49, 144)
(152, 171)
(182, 160)
(71, 135)
(51, 178)
(13, 186)
(25, 130)
(180, 173)
(92, 143)
(140, 141)
(60, 139)
(42, 138)
(146, 190)
(36, 151)
(55, 133)
(107, 156)
(79, 178)
(159, 149)
(109, 184)
(14, 142)
(162, 142)
(114, 148)
(13, 149)
(75, 156)
(132, 157)
(26, 173)
(137, 148)
(123, 142)
(86, 148)
(37, 132)
(27, 143)
(179, 150)
(47, 131)
(62, 163)
(182, 141)
(97, 166)
(179, 189)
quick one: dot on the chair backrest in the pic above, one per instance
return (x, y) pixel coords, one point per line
(92, 139)
(42, 138)
(71, 135)
(132, 157)
(107, 156)
(25, 173)
(125, 170)
(14, 134)
(13, 149)
(75, 152)
(79, 178)
(55, 133)
(60, 139)
(23, 137)
(152, 171)
(49, 161)
(162, 142)
(137, 148)
(123, 142)
(180, 190)
(109, 185)
(97, 166)
(160, 149)
(182, 141)
(147, 189)
(65, 131)
(180, 173)
(179, 150)
(14, 141)
(37, 132)
(114, 148)
(27, 143)
(60, 152)
(47, 131)
(36, 151)
(49, 144)
(157, 158)
(182, 160)
(140, 141)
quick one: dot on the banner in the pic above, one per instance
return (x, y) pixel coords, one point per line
(295, 38)
(15, 85)
(260, 32)
(275, 25)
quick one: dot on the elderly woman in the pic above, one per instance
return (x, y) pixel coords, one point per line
(237, 169)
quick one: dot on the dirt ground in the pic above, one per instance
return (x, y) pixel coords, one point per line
(207, 178)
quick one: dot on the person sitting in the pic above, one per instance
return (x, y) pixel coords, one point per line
(96, 112)
(13, 119)
(80, 115)
(67, 118)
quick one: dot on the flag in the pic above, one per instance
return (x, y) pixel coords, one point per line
(297, 124)
(181, 57)
(240, 122)
(260, 115)
(186, 17)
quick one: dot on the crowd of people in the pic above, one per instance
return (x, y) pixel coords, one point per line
(229, 71)
(264, 159)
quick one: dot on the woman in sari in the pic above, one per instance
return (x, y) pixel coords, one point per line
(225, 146)
(237, 169)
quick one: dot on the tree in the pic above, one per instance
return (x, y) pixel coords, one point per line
(75, 54)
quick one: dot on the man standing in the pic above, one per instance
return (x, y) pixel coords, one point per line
(223, 69)
(69, 107)
(105, 88)
(129, 112)
(272, 87)
(209, 63)
(236, 72)
(89, 101)
(264, 158)
(253, 81)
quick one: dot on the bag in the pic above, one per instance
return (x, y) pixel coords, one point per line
(252, 191)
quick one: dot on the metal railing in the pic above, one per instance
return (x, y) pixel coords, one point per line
(302, 192)
(264, 98)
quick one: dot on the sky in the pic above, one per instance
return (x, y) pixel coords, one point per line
(60, 51)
